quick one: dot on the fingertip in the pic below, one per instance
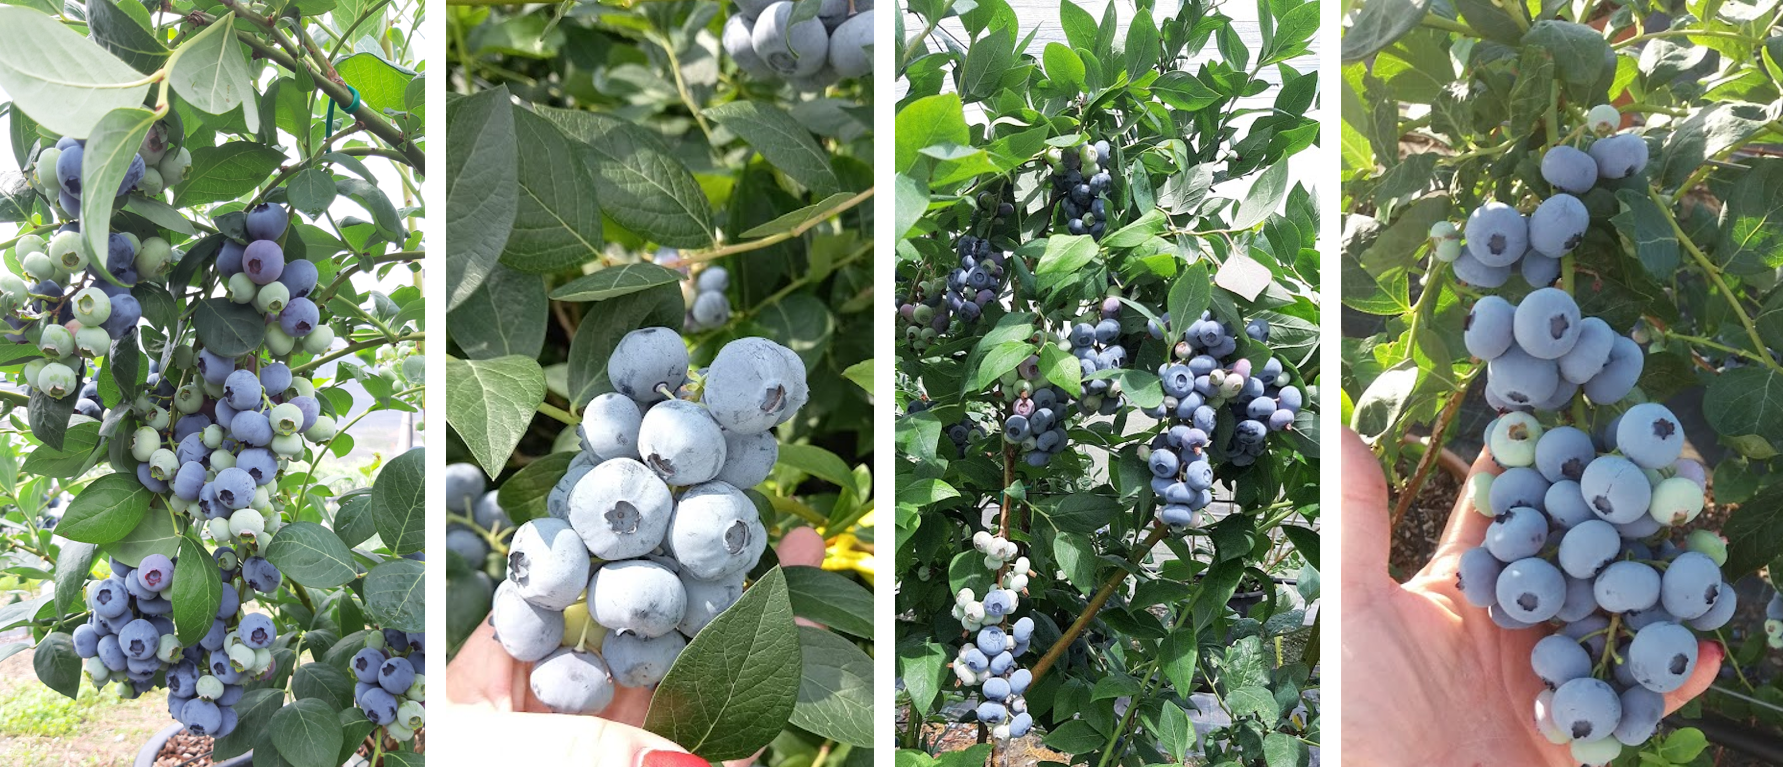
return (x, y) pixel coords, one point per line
(801, 546)
(1708, 666)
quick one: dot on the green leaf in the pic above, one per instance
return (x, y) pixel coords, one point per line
(1751, 232)
(733, 689)
(399, 500)
(307, 733)
(310, 191)
(227, 328)
(324, 683)
(125, 29)
(57, 665)
(164, 215)
(781, 140)
(823, 209)
(1080, 512)
(352, 520)
(48, 417)
(641, 185)
(523, 495)
(491, 402)
(155, 534)
(110, 150)
(616, 281)
(226, 172)
(197, 591)
(375, 202)
(557, 220)
(74, 564)
(1065, 255)
(481, 189)
(836, 689)
(312, 555)
(1746, 400)
(107, 510)
(1379, 24)
(75, 457)
(832, 599)
(381, 84)
(1264, 197)
(253, 711)
(1063, 66)
(394, 595)
(506, 315)
(62, 80)
(210, 72)
(819, 463)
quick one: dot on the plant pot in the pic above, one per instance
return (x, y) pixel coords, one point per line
(151, 749)
(1242, 602)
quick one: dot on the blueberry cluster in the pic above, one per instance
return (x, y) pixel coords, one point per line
(1036, 421)
(467, 495)
(1500, 237)
(1081, 183)
(130, 638)
(650, 534)
(987, 660)
(151, 171)
(1097, 349)
(707, 305)
(812, 54)
(1580, 540)
(389, 682)
(1540, 352)
(1208, 374)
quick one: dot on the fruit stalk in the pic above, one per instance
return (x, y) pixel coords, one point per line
(1095, 604)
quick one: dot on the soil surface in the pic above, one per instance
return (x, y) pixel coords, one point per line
(110, 732)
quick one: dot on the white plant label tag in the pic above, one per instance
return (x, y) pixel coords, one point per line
(1242, 274)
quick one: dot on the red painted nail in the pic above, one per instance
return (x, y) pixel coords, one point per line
(671, 759)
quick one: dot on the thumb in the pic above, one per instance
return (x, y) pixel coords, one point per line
(1364, 530)
(556, 739)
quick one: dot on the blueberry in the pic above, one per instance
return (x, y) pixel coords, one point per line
(706, 599)
(621, 509)
(468, 544)
(235, 488)
(1558, 225)
(1650, 435)
(259, 463)
(682, 442)
(573, 682)
(1588, 548)
(251, 427)
(68, 167)
(1558, 659)
(748, 458)
(201, 717)
(795, 50)
(648, 362)
(636, 661)
(610, 424)
(637, 596)
(299, 277)
(548, 563)
(1589, 353)
(1586, 709)
(260, 574)
(229, 258)
(739, 42)
(1662, 656)
(1626, 586)
(1477, 577)
(263, 261)
(851, 46)
(267, 221)
(365, 663)
(1538, 270)
(1569, 169)
(1521, 379)
(396, 676)
(716, 532)
(1547, 323)
(109, 598)
(1530, 590)
(139, 639)
(155, 572)
(299, 318)
(755, 384)
(378, 705)
(242, 390)
(1617, 157)
(1615, 489)
(1497, 235)
(257, 631)
(1691, 586)
(1619, 374)
(526, 631)
(1470, 271)
(464, 484)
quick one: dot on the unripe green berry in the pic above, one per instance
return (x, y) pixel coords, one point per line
(66, 252)
(92, 307)
(170, 646)
(278, 342)
(55, 342)
(209, 687)
(188, 399)
(151, 183)
(92, 341)
(304, 386)
(322, 430)
(221, 459)
(288, 445)
(319, 339)
(144, 442)
(242, 288)
(1603, 119)
(39, 266)
(241, 657)
(154, 258)
(212, 436)
(46, 170)
(163, 464)
(247, 523)
(218, 529)
(29, 244)
(158, 418)
(272, 297)
(286, 418)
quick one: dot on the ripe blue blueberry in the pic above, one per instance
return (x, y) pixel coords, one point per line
(755, 384)
(1617, 157)
(636, 661)
(637, 596)
(526, 631)
(748, 458)
(610, 424)
(1650, 435)
(260, 574)
(573, 682)
(791, 50)
(682, 442)
(716, 532)
(1547, 323)
(1558, 225)
(1497, 235)
(621, 510)
(299, 277)
(299, 318)
(365, 663)
(548, 563)
(396, 675)
(263, 261)
(267, 221)
(257, 631)
(648, 364)
(1569, 169)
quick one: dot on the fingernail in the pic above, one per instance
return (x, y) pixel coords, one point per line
(671, 759)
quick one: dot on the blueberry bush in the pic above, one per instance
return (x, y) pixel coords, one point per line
(1571, 210)
(660, 363)
(1107, 381)
(206, 221)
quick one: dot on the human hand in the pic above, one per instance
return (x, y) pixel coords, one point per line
(1426, 678)
(483, 676)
